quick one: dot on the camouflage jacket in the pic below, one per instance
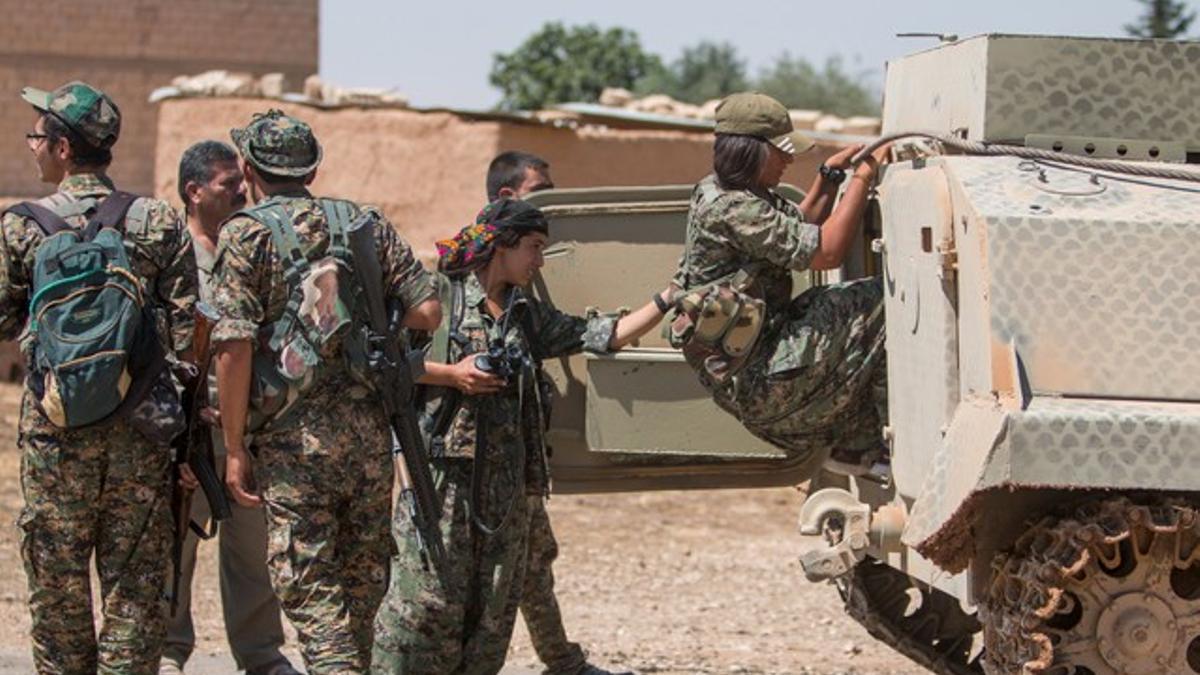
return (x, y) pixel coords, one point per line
(514, 421)
(731, 230)
(155, 241)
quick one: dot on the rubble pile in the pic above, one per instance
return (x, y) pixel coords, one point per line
(661, 104)
(317, 89)
(319, 92)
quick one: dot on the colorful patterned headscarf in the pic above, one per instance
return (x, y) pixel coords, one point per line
(472, 247)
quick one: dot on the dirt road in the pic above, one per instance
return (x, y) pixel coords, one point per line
(673, 583)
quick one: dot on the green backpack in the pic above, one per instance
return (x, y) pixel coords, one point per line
(295, 352)
(94, 351)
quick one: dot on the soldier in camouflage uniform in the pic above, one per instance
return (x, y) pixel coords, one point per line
(517, 174)
(324, 472)
(487, 450)
(101, 490)
(814, 383)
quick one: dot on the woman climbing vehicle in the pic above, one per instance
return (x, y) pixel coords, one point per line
(806, 374)
(484, 421)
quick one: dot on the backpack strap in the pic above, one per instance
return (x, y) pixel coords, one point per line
(109, 214)
(295, 264)
(452, 296)
(338, 214)
(50, 222)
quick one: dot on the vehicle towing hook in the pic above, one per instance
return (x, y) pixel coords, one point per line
(848, 527)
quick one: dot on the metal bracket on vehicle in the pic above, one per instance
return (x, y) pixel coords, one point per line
(834, 509)
(849, 528)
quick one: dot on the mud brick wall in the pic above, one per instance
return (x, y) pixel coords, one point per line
(426, 170)
(128, 48)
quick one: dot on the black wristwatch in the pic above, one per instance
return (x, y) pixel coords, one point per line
(663, 305)
(831, 174)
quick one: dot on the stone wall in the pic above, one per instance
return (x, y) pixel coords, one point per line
(427, 170)
(128, 48)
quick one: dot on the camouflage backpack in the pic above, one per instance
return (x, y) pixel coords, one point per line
(717, 324)
(94, 351)
(294, 352)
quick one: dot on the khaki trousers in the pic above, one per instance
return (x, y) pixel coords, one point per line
(253, 624)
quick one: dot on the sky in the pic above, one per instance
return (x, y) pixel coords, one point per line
(439, 52)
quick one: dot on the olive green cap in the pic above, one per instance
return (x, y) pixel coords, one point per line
(278, 144)
(754, 114)
(85, 110)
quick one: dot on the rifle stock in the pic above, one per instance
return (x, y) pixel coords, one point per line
(394, 387)
(201, 457)
(195, 448)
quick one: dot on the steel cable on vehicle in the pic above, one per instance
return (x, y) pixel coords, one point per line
(981, 148)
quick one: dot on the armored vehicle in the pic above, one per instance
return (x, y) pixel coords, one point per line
(1038, 247)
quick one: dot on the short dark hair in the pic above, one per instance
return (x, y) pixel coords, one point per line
(278, 179)
(198, 164)
(82, 152)
(738, 160)
(507, 170)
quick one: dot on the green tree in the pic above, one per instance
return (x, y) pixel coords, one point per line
(798, 84)
(559, 64)
(705, 71)
(1162, 19)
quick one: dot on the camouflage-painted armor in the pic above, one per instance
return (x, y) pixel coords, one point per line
(97, 489)
(465, 625)
(326, 475)
(815, 381)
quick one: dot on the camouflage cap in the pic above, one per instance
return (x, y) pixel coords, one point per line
(754, 114)
(278, 144)
(86, 110)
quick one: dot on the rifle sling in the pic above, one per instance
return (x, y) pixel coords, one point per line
(198, 530)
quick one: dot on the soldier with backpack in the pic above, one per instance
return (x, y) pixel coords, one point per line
(290, 370)
(99, 284)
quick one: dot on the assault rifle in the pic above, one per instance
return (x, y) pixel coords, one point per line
(395, 387)
(194, 447)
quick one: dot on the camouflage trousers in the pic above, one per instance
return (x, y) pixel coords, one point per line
(102, 491)
(818, 380)
(462, 624)
(327, 483)
(539, 606)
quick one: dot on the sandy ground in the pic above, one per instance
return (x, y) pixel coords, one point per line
(673, 583)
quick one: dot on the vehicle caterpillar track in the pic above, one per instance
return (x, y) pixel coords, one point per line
(936, 633)
(1111, 588)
